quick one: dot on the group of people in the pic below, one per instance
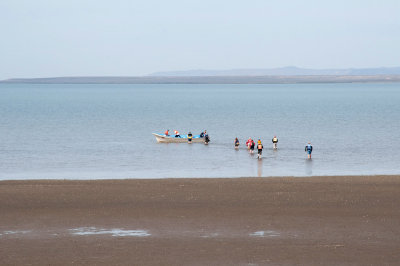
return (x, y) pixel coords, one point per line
(176, 132)
(203, 134)
(250, 144)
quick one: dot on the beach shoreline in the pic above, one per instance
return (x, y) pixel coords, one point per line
(329, 220)
(123, 179)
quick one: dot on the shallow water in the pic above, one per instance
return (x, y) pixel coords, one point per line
(104, 131)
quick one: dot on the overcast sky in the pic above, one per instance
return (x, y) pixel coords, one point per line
(127, 37)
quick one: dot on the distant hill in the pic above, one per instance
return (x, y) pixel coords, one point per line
(237, 76)
(283, 71)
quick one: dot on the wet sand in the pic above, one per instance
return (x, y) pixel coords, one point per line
(244, 221)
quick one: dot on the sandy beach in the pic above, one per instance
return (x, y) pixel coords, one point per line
(353, 220)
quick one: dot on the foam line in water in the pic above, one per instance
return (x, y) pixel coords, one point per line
(210, 235)
(113, 232)
(268, 233)
(14, 232)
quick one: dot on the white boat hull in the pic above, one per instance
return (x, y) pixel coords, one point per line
(173, 139)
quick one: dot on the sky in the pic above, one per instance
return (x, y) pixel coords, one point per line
(129, 38)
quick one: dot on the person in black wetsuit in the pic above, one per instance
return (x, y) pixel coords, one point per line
(206, 138)
(252, 144)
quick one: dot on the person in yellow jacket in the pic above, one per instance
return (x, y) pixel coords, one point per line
(259, 148)
(190, 137)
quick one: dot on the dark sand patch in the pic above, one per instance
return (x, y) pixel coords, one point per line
(246, 221)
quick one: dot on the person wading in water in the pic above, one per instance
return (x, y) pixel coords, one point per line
(236, 143)
(259, 148)
(308, 149)
(275, 142)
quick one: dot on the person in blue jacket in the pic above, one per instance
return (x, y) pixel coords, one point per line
(308, 149)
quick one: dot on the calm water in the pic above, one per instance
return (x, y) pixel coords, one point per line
(104, 131)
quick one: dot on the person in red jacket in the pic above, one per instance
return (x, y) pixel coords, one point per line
(248, 143)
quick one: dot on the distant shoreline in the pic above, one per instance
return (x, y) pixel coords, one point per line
(210, 79)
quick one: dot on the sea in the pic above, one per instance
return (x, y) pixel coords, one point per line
(104, 131)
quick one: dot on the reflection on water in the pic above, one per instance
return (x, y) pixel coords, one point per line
(309, 166)
(259, 167)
